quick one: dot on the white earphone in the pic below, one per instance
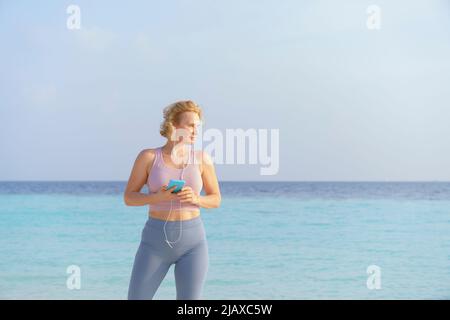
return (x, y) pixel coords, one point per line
(170, 212)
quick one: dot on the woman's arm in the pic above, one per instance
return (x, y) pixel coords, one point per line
(212, 198)
(132, 195)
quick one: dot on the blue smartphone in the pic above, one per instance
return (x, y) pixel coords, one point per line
(178, 183)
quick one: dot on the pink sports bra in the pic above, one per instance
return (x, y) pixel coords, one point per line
(160, 174)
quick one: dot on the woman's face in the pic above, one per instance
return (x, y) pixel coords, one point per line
(188, 125)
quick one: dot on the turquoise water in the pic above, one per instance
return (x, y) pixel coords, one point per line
(310, 241)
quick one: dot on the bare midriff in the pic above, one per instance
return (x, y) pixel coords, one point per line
(175, 215)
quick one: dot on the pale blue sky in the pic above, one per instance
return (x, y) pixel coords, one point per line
(351, 104)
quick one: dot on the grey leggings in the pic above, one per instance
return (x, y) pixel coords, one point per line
(154, 258)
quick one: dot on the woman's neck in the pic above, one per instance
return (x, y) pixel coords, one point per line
(178, 149)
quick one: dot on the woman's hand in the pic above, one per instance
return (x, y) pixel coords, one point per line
(187, 195)
(165, 194)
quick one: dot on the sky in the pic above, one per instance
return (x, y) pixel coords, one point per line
(350, 103)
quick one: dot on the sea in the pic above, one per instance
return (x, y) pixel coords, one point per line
(267, 240)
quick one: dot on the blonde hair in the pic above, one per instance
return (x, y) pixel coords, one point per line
(172, 115)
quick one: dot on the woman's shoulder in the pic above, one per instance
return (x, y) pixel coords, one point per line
(148, 156)
(202, 157)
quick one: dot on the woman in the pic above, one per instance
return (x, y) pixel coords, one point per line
(174, 232)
